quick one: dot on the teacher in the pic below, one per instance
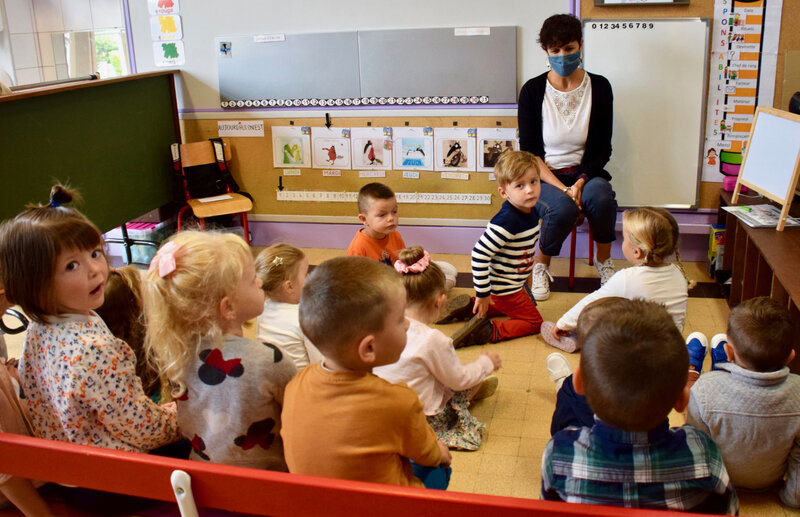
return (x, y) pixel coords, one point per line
(565, 119)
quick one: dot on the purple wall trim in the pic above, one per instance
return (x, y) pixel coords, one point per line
(460, 240)
(129, 34)
(574, 8)
(351, 108)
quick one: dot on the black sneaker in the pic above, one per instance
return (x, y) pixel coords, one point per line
(457, 308)
(477, 331)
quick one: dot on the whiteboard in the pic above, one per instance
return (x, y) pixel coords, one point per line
(203, 22)
(658, 72)
(773, 151)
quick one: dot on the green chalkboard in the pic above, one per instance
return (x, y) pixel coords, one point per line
(109, 139)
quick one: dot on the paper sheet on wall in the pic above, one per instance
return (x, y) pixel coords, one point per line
(744, 51)
(454, 148)
(330, 147)
(162, 7)
(491, 144)
(291, 146)
(168, 53)
(166, 28)
(371, 148)
(413, 148)
(453, 198)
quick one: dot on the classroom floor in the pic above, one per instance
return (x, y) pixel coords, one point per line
(518, 415)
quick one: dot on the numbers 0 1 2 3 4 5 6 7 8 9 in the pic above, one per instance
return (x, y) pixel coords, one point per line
(624, 25)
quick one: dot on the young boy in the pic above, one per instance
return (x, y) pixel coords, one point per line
(751, 405)
(352, 309)
(380, 240)
(633, 371)
(502, 259)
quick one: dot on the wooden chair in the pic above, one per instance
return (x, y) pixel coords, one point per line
(198, 159)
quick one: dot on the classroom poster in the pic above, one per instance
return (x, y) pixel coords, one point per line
(166, 28)
(168, 53)
(291, 147)
(492, 142)
(454, 148)
(371, 148)
(744, 52)
(330, 148)
(162, 7)
(413, 148)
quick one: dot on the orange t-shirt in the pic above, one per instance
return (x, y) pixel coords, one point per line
(355, 425)
(385, 250)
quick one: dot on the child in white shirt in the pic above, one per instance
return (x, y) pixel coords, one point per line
(429, 364)
(282, 269)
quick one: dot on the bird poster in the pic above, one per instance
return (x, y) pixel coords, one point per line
(330, 147)
(413, 148)
(371, 148)
(454, 148)
(492, 142)
(291, 147)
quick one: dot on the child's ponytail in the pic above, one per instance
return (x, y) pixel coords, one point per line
(422, 278)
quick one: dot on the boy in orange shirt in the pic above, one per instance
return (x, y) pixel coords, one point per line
(353, 310)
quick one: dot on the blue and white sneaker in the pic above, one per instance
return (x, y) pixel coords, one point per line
(718, 354)
(697, 345)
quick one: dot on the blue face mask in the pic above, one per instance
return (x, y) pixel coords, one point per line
(565, 65)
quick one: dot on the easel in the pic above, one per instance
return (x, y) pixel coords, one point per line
(771, 164)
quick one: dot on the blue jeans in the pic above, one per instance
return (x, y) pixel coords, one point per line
(437, 478)
(572, 410)
(559, 212)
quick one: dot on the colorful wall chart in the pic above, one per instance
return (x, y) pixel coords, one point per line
(744, 51)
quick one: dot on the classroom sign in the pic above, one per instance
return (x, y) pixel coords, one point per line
(744, 50)
(168, 53)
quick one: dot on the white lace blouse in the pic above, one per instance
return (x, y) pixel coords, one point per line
(565, 124)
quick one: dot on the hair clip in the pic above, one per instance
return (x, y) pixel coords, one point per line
(417, 267)
(54, 204)
(164, 259)
(277, 261)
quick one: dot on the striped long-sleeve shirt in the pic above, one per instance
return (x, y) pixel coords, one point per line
(502, 259)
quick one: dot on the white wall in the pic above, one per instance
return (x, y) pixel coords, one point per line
(203, 21)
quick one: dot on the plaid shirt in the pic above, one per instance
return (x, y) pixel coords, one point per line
(669, 469)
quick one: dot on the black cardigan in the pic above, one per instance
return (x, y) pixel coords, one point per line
(597, 150)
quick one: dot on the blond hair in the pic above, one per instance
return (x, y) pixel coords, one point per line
(513, 165)
(276, 264)
(656, 233)
(345, 299)
(182, 307)
(425, 286)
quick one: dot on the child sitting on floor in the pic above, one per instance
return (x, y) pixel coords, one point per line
(282, 269)
(353, 309)
(750, 403)
(502, 259)
(379, 238)
(429, 364)
(122, 312)
(650, 238)
(200, 290)
(633, 372)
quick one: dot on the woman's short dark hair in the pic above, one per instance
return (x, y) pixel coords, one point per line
(560, 29)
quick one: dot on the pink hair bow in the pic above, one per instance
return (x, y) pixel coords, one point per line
(164, 259)
(417, 267)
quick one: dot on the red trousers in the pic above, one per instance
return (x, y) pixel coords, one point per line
(524, 318)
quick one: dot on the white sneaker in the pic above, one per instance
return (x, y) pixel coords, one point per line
(540, 282)
(558, 367)
(606, 270)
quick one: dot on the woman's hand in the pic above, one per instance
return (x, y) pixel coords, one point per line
(575, 192)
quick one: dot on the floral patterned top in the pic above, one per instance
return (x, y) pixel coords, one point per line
(81, 387)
